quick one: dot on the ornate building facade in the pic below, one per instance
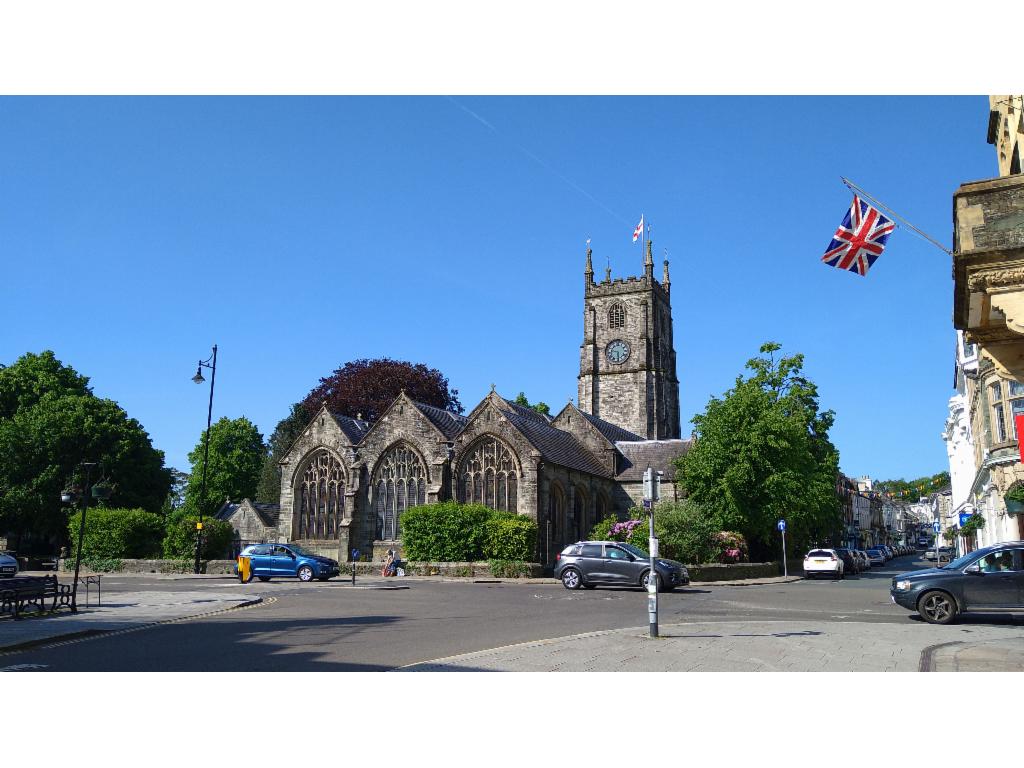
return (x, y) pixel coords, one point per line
(345, 482)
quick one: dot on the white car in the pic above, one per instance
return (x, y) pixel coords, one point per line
(823, 562)
(8, 566)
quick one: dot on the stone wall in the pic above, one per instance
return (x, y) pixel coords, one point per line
(161, 566)
(735, 571)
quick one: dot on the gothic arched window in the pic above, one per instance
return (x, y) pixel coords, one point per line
(616, 316)
(399, 483)
(321, 497)
(489, 474)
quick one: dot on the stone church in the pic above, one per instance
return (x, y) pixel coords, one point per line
(345, 482)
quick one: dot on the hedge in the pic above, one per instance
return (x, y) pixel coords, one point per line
(453, 532)
(117, 533)
(180, 540)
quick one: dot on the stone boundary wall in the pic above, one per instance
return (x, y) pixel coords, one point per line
(734, 571)
(704, 572)
(162, 566)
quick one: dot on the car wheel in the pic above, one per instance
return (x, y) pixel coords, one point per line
(937, 607)
(305, 573)
(571, 579)
(263, 578)
(657, 581)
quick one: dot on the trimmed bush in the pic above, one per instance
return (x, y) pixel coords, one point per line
(453, 532)
(446, 532)
(180, 541)
(117, 533)
(510, 537)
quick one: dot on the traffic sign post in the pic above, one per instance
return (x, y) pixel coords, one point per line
(652, 492)
(785, 565)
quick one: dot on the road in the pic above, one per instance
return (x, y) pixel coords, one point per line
(336, 627)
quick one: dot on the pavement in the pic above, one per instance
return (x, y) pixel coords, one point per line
(758, 646)
(742, 645)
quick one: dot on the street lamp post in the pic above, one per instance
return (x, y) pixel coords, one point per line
(211, 363)
(69, 497)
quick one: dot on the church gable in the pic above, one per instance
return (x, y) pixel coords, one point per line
(581, 426)
(421, 426)
(323, 431)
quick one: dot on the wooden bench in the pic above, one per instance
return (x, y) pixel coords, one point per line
(19, 593)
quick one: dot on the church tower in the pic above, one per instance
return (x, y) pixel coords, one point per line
(627, 359)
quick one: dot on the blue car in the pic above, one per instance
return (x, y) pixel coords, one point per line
(270, 560)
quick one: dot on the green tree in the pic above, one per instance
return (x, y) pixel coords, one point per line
(762, 453)
(50, 422)
(539, 407)
(237, 453)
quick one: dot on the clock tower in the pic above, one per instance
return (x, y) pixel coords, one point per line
(627, 359)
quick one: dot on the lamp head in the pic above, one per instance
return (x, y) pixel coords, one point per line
(198, 378)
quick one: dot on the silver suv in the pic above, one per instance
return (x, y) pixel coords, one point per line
(589, 563)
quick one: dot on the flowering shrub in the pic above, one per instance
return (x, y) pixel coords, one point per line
(632, 531)
(732, 547)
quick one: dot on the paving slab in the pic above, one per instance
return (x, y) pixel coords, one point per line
(757, 646)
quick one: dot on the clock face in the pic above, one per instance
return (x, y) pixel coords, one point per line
(617, 351)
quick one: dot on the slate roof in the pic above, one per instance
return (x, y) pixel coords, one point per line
(529, 413)
(449, 424)
(268, 513)
(613, 432)
(354, 429)
(554, 445)
(636, 456)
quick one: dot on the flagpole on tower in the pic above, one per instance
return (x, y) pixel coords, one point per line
(857, 190)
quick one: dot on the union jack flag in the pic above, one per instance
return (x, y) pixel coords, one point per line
(859, 240)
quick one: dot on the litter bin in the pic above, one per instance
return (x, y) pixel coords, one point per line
(244, 569)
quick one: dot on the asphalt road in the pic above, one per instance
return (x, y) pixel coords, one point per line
(335, 627)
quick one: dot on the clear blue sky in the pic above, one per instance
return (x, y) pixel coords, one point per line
(298, 234)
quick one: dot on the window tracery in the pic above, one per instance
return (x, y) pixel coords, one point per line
(489, 475)
(321, 497)
(616, 316)
(399, 483)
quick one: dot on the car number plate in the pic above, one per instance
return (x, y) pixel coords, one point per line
(819, 561)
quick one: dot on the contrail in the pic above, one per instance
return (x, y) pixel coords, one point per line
(536, 159)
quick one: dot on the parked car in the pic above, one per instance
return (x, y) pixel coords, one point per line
(590, 563)
(865, 560)
(990, 579)
(8, 565)
(823, 562)
(876, 556)
(851, 563)
(267, 561)
(944, 553)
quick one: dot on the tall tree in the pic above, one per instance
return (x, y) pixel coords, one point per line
(762, 453)
(368, 387)
(237, 453)
(539, 406)
(50, 422)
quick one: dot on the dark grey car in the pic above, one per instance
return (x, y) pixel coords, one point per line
(589, 563)
(986, 580)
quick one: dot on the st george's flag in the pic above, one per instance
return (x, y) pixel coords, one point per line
(639, 231)
(860, 239)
